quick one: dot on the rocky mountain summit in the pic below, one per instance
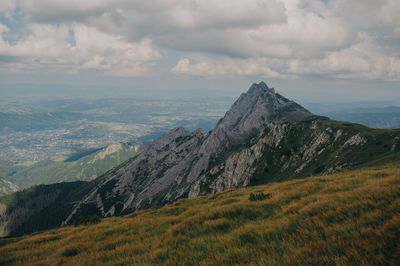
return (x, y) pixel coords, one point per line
(166, 169)
(263, 137)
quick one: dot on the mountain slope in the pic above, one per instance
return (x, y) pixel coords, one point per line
(282, 151)
(264, 137)
(292, 150)
(86, 168)
(166, 169)
(351, 218)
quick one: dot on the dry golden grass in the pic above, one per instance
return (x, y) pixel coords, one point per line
(351, 218)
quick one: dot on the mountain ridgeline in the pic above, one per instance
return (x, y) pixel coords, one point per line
(264, 137)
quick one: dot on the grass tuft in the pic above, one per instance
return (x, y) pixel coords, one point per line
(259, 196)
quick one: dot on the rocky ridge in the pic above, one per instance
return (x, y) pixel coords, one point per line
(166, 169)
(294, 150)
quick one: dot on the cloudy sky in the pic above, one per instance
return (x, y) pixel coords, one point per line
(310, 49)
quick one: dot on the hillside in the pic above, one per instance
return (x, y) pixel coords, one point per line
(85, 168)
(263, 138)
(350, 218)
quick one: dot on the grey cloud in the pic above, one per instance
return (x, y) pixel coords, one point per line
(47, 11)
(49, 45)
(204, 26)
(159, 16)
(335, 38)
(367, 15)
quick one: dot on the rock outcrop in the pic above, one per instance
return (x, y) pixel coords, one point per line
(293, 150)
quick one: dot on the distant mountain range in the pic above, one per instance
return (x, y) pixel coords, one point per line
(264, 137)
(372, 114)
(374, 117)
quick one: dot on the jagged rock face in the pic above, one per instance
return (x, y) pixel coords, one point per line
(166, 169)
(158, 168)
(293, 150)
(256, 108)
(250, 114)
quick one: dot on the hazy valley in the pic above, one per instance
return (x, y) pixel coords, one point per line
(36, 136)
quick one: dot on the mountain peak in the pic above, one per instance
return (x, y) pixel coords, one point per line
(256, 108)
(260, 88)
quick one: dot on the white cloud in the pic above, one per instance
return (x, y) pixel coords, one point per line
(367, 14)
(91, 49)
(316, 40)
(223, 26)
(364, 59)
(274, 38)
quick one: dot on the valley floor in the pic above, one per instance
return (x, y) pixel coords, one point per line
(347, 218)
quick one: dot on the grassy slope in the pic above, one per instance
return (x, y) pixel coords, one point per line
(347, 218)
(85, 169)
